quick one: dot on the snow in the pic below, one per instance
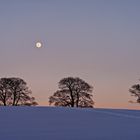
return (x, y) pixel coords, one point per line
(52, 123)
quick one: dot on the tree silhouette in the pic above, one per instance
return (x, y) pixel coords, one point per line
(5, 94)
(135, 91)
(15, 92)
(73, 92)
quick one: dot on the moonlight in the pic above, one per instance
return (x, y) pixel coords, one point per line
(38, 44)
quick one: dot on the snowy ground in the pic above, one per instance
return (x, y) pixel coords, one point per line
(48, 123)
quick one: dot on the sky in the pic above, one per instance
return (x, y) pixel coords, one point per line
(96, 40)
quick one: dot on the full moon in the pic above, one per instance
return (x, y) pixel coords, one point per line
(38, 45)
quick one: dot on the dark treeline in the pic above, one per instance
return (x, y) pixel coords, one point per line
(15, 92)
(72, 92)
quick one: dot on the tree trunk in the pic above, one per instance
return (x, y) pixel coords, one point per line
(14, 100)
(4, 100)
(77, 100)
(72, 98)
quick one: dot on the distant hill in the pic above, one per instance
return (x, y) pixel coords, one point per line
(52, 123)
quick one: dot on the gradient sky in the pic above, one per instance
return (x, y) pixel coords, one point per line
(96, 40)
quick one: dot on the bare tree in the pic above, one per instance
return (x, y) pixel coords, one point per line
(73, 92)
(135, 91)
(15, 92)
(5, 94)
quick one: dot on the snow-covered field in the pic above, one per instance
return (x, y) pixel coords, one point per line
(50, 123)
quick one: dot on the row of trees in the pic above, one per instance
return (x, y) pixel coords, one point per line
(72, 92)
(14, 91)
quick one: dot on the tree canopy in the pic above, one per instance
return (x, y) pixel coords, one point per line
(135, 91)
(73, 92)
(15, 92)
